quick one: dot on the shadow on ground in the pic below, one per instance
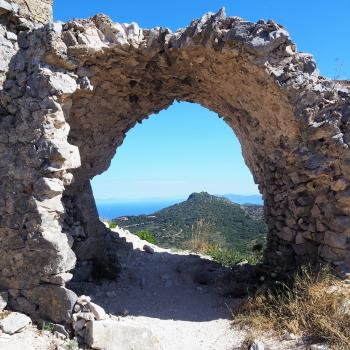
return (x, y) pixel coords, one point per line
(164, 285)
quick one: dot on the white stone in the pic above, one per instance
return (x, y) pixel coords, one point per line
(319, 347)
(5, 7)
(98, 312)
(62, 84)
(83, 300)
(113, 335)
(53, 204)
(14, 322)
(5, 42)
(87, 316)
(11, 36)
(57, 27)
(3, 300)
(257, 345)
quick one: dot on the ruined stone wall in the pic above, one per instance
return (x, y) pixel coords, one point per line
(35, 253)
(71, 92)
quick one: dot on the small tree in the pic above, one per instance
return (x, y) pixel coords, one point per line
(147, 236)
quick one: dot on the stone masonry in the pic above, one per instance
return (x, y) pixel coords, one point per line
(70, 92)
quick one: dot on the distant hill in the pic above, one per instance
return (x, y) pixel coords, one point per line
(215, 218)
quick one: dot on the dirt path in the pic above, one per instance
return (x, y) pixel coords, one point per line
(161, 291)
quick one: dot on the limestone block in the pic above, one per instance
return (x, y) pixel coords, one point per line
(11, 36)
(14, 322)
(114, 335)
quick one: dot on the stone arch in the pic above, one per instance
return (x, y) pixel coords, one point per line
(92, 80)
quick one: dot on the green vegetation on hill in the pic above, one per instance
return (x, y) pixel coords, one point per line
(205, 219)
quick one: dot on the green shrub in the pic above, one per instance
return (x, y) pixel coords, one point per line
(47, 326)
(231, 257)
(112, 224)
(147, 236)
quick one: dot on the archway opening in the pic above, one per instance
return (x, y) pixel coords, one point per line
(190, 157)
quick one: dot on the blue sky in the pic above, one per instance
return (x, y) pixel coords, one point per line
(188, 148)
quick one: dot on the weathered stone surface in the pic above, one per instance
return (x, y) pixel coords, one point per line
(14, 322)
(114, 335)
(37, 10)
(55, 303)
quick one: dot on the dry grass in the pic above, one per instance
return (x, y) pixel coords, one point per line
(199, 241)
(3, 314)
(317, 304)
